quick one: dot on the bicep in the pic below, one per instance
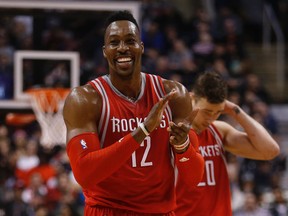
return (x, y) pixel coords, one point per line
(235, 141)
(80, 113)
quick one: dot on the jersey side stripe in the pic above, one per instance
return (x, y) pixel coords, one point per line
(218, 141)
(217, 137)
(103, 104)
(106, 120)
(159, 92)
(162, 93)
(156, 83)
(105, 111)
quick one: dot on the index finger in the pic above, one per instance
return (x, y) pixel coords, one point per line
(170, 95)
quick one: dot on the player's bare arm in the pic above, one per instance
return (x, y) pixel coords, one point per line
(183, 114)
(81, 111)
(254, 142)
(181, 103)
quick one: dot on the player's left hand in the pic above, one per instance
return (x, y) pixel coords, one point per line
(180, 131)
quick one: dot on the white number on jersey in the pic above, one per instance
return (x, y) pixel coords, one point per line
(147, 145)
(210, 175)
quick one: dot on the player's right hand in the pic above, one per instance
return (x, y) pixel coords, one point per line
(155, 115)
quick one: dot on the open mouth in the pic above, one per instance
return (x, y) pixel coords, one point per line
(124, 62)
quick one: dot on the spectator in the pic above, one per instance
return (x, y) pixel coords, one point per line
(252, 207)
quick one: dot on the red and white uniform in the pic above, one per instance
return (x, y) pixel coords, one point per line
(211, 197)
(145, 182)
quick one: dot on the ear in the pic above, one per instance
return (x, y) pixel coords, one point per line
(192, 96)
(142, 46)
(103, 51)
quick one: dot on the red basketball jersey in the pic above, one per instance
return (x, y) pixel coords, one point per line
(145, 183)
(211, 197)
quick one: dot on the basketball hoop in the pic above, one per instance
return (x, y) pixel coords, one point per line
(47, 104)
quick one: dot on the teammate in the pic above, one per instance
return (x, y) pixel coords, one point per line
(118, 140)
(211, 197)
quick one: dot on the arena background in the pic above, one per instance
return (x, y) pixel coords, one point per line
(58, 44)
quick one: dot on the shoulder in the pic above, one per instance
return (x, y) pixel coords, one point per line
(223, 127)
(180, 105)
(169, 85)
(82, 98)
(82, 110)
(83, 94)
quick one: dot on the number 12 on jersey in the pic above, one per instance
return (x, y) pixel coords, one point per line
(144, 163)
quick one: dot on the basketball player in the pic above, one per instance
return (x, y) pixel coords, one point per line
(212, 197)
(118, 142)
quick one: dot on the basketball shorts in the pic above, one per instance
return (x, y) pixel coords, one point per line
(105, 211)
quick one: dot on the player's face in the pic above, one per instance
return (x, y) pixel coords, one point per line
(123, 48)
(208, 113)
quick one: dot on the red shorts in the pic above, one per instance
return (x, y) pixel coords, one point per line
(105, 211)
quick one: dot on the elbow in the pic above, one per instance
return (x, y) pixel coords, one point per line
(192, 171)
(84, 181)
(79, 176)
(273, 152)
(83, 176)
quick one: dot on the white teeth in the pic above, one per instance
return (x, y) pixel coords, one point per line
(124, 59)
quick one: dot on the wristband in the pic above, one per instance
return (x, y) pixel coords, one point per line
(143, 128)
(183, 145)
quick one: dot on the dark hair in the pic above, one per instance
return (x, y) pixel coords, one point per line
(121, 15)
(212, 86)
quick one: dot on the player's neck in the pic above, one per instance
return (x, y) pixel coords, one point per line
(129, 88)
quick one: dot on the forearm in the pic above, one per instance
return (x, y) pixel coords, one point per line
(90, 164)
(190, 164)
(258, 136)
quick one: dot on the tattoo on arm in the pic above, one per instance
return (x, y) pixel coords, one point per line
(236, 109)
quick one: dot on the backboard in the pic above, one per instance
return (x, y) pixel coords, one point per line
(61, 67)
(41, 13)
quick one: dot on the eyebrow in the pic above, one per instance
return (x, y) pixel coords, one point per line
(127, 35)
(208, 110)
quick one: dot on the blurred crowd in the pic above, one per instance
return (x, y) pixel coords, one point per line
(36, 181)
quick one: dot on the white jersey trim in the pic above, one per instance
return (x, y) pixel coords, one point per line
(105, 103)
(218, 141)
(159, 92)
